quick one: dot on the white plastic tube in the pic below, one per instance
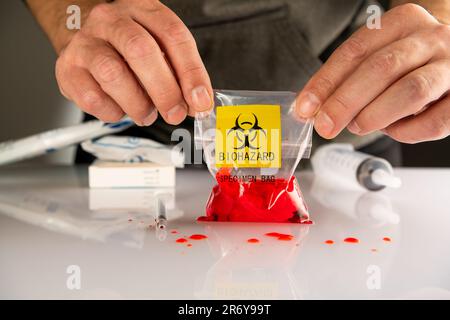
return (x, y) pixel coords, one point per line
(133, 149)
(49, 141)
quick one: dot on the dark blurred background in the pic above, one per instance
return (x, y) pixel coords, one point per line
(429, 154)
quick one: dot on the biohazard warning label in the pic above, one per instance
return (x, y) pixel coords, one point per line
(248, 136)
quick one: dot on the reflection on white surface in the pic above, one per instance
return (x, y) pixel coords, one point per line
(245, 270)
(427, 293)
(107, 218)
(122, 259)
(369, 207)
(143, 199)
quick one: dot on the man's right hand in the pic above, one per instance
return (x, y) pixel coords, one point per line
(134, 57)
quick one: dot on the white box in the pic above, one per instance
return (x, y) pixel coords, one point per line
(104, 174)
(130, 198)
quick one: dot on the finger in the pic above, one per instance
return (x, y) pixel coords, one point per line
(396, 24)
(431, 124)
(89, 96)
(407, 96)
(145, 58)
(179, 44)
(379, 71)
(60, 66)
(115, 78)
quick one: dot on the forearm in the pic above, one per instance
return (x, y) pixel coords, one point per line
(439, 9)
(52, 15)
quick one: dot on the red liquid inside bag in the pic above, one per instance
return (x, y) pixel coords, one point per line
(276, 200)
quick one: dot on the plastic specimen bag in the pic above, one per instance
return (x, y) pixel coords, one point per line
(252, 143)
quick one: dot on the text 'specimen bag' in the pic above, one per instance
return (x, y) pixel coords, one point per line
(252, 143)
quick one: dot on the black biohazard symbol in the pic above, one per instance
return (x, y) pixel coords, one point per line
(246, 131)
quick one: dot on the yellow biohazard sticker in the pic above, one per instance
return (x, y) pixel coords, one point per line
(248, 136)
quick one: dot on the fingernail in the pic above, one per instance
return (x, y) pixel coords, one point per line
(201, 98)
(324, 124)
(177, 114)
(353, 127)
(148, 120)
(308, 104)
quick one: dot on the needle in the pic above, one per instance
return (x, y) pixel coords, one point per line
(161, 221)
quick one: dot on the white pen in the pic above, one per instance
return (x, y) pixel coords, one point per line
(49, 141)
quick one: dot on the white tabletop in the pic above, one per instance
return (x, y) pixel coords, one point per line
(56, 234)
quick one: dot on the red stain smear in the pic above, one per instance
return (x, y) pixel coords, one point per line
(253, 240)
(280, 236)
(198, 237)
(189, 245)
(203, 218)
(351, 240)
(174, 231)
(387, 239)
(273, 234)
(285, 237)
(307, 222)
(329, 242)
(258, 200)
(181, 240)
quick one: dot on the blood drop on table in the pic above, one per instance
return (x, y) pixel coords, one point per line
(387, 239)
(253, 240)
(280, 236)
(351, 240)
(181, 240)
(329, 242)
(198, 237)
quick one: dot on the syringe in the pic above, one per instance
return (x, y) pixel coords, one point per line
(352, 167)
